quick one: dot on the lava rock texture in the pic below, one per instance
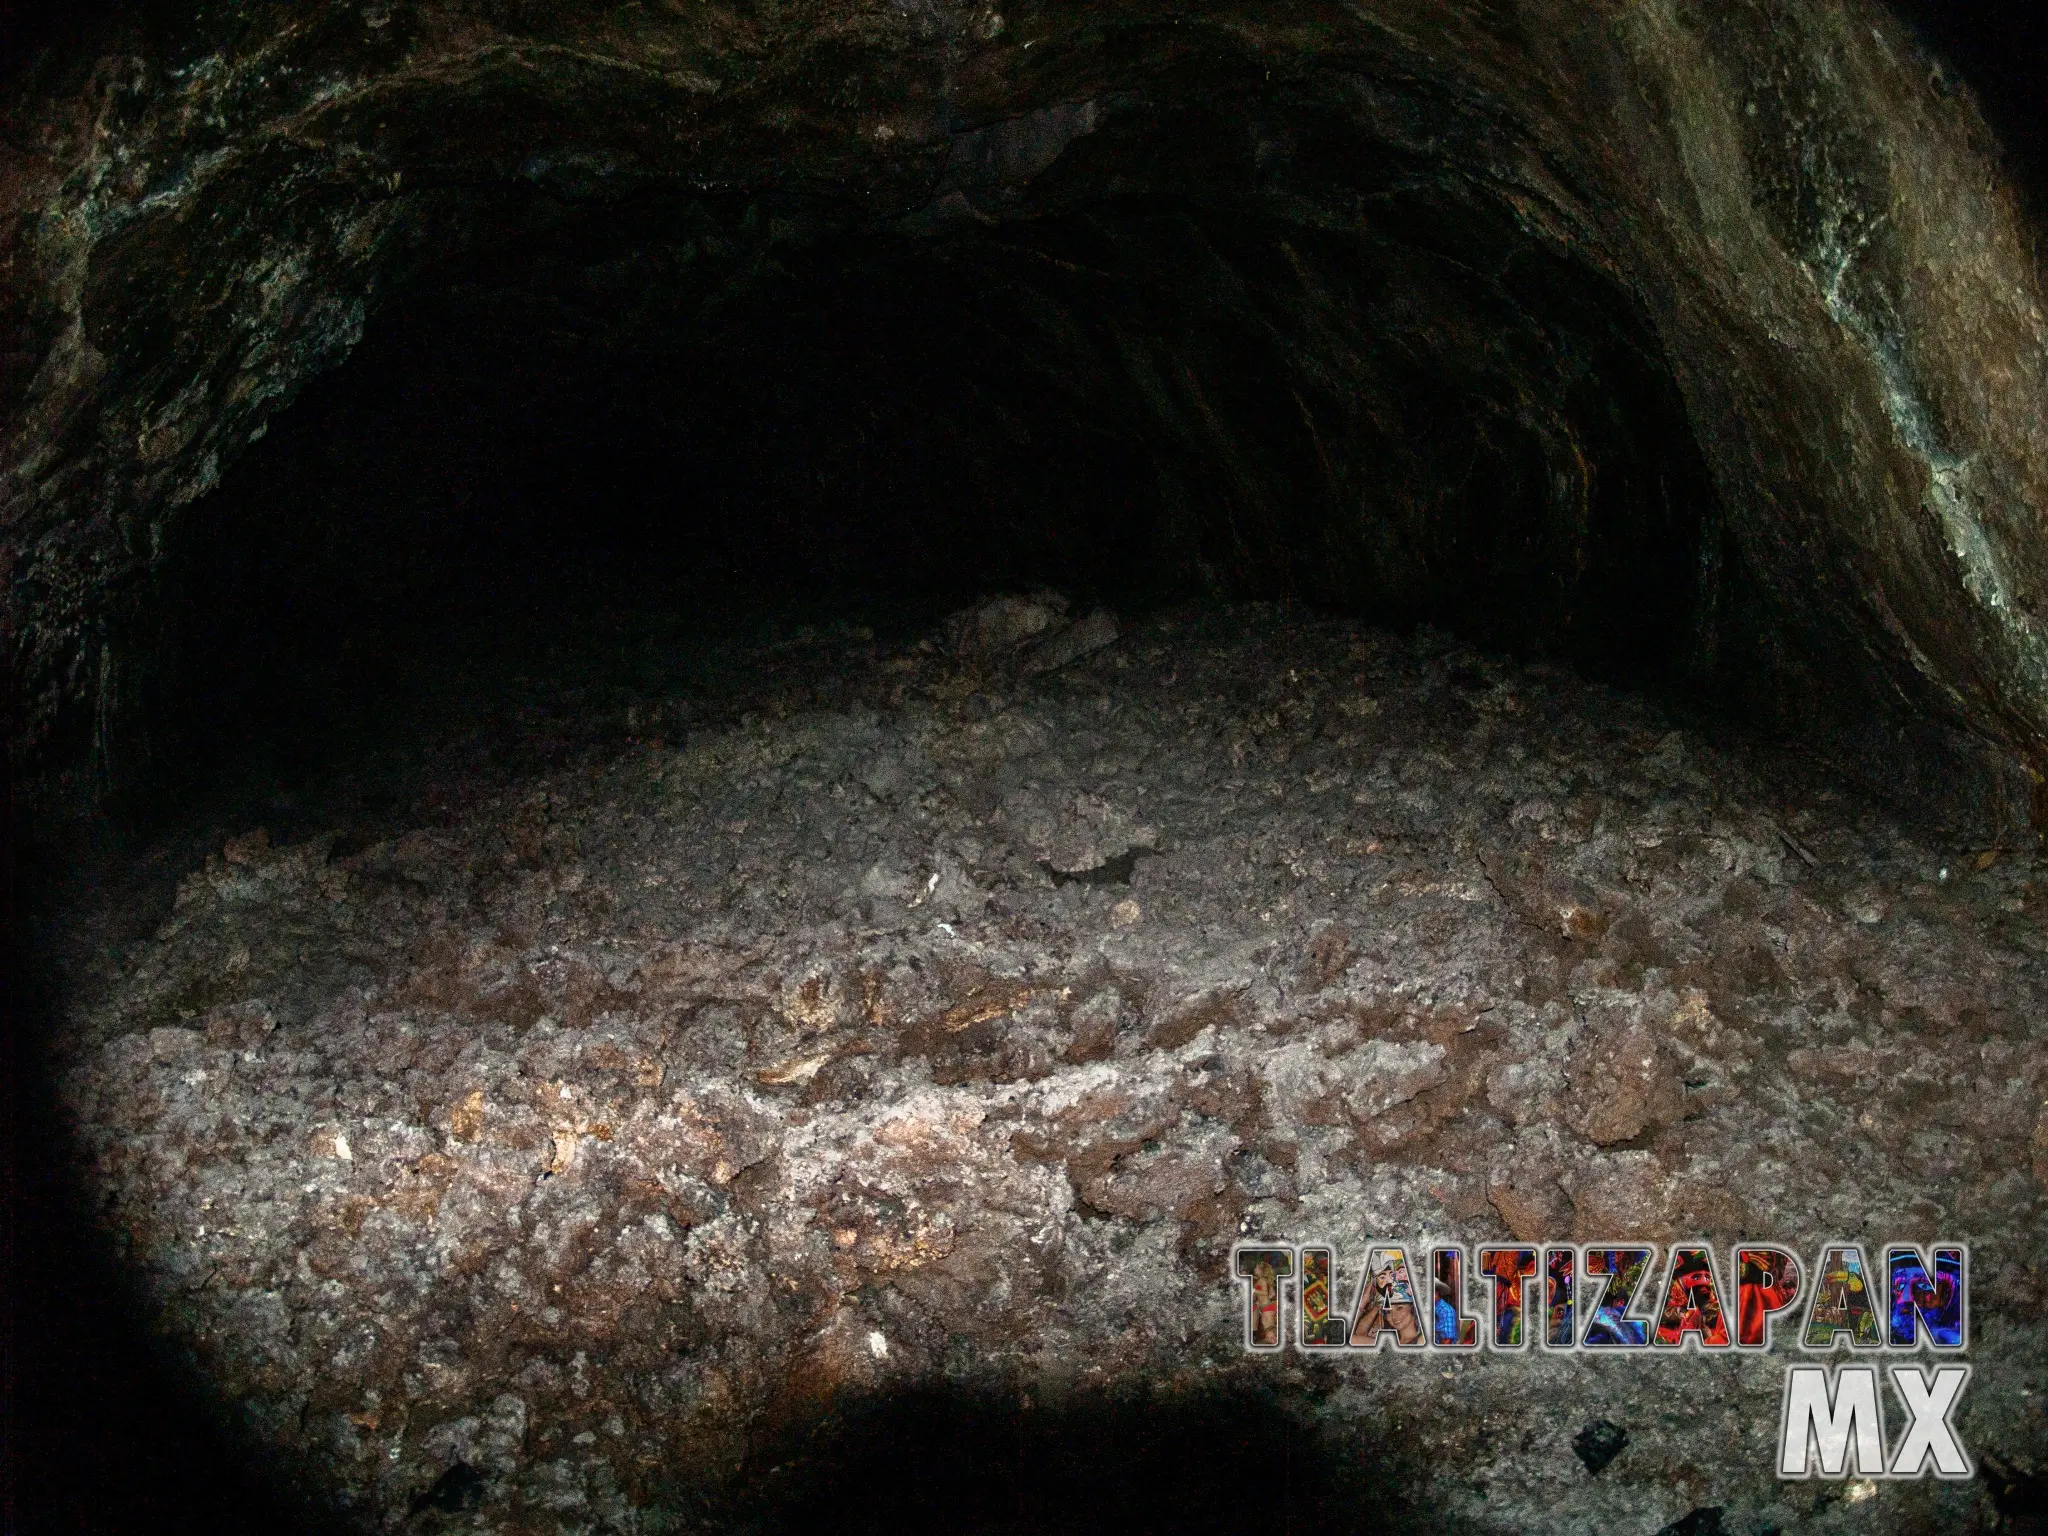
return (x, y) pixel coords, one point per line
(1702, 332)
(539, 1167)
(934, 1016)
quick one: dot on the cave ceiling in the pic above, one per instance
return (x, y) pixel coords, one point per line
(1732, 295)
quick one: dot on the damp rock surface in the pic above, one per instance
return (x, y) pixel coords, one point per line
(532, 1166)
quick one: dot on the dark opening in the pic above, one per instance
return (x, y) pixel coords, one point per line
(1135, 402)
(1139, 1464)
(608, 435)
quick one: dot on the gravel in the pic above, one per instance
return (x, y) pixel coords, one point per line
(930, 1019)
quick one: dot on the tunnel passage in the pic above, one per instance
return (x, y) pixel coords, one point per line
(1699, 340)
(554, 1151)
(1137, 403)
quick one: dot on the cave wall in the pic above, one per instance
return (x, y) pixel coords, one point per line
(1727, 300)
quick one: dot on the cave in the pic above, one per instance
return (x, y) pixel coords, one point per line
(738, 733)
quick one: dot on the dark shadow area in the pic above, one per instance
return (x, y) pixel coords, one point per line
(1134, 405)
(2000, 48)
(107, 1431)
(1141, 1465)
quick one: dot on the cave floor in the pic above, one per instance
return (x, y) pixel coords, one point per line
(932, 1016)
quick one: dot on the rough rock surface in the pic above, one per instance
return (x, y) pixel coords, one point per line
(923, 1026)
(1715, 317)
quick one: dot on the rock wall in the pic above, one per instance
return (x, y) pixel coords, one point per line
(1728, 296)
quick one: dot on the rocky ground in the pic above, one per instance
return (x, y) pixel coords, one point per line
(934, 1017)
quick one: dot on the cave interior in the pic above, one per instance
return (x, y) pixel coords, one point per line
(630, 415)
(1185, 327)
